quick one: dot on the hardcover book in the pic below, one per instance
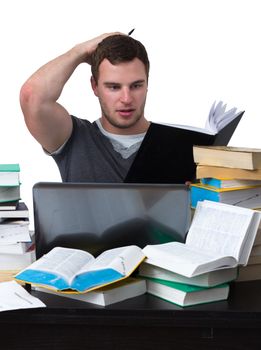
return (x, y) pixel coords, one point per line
(186, 295)
(166, 153)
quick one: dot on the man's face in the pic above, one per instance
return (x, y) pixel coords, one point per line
(122, 91)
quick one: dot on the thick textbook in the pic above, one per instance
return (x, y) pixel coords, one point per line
(184, 294)
(166, 153)
(20, 211)
(227, 173)
(9, 174)
(228, 183)
(9, 193)
(247, 197)
(225, 156)
(114, 293)
(220, 236)
(77, 270)
(208, 279)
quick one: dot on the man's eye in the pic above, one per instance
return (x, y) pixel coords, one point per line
(113, 87)
(136, 86)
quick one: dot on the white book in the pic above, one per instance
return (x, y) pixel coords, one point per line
(220, 236)
(111, 294)
(21, 211)
(12, 231)
(208, 279)
(9, 193)
(16, 261)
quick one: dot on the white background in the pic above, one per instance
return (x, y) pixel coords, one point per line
(200, 51)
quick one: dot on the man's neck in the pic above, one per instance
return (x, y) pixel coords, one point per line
(139, 128)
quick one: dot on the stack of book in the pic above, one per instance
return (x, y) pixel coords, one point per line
(229, 175)
(198, 271)
(252, 271)
(16, 243)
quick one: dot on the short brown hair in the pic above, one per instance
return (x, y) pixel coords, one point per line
(116, 49)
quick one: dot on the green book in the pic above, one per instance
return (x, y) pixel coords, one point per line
(9, 168)
(9, 175)
(185, 294)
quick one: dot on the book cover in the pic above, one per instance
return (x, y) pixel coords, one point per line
(166, 153)
(184, 294)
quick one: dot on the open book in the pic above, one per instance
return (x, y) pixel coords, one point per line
(166, 153)
(67, 269)
(220, 236)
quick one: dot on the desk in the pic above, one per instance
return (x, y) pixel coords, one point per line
(143, 322)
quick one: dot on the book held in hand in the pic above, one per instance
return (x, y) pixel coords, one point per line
(186, 295)
(225, 156)
(114, 293)
(77, 270)
(220, 236)
(166, 152)
(208, 279)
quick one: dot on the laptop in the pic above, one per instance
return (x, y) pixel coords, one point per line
(96, 217)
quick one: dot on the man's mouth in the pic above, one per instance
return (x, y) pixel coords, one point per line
(125, 112)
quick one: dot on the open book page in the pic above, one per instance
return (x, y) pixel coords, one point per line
(64, 262)
(219, 228)
(185, 260)
(123, 260)
(217, 119)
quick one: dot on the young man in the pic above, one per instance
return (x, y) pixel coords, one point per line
(102, 151)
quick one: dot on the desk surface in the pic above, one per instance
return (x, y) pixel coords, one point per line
(144, 322)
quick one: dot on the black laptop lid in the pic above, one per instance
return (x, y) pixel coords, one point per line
(96, 217)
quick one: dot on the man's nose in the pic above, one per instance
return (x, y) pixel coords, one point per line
(126, 96)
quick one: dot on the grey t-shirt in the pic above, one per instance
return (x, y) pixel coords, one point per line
(88, 156)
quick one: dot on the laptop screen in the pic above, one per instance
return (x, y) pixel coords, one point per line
(96, 217)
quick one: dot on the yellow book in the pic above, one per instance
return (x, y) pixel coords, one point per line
(231, 157)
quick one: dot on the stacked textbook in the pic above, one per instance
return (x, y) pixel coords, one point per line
(229, 175)
(16, 243)
(198, 271)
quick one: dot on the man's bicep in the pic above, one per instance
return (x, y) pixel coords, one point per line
(50, 125)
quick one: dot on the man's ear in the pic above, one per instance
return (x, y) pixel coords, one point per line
(94, 86)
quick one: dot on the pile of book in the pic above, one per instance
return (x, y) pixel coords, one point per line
(198, 271)
(16, 242)
(231, 175)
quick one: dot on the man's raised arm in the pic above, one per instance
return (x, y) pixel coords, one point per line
(46, 119)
